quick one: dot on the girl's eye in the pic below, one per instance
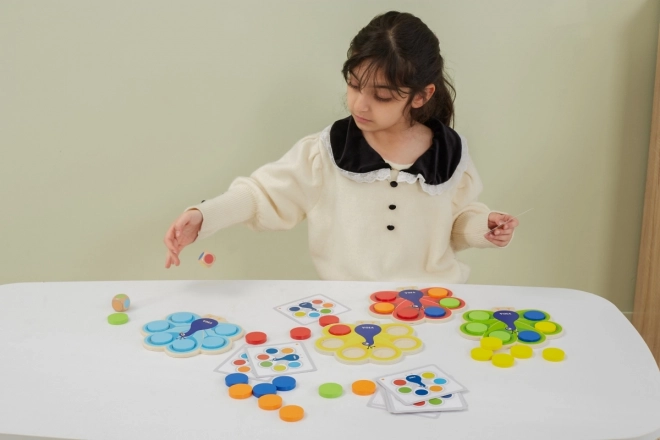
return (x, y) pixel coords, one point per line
(352, 86)
(378, 98)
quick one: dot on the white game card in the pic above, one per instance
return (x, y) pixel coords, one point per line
(279, 359)
(309, 310)
(423, 383)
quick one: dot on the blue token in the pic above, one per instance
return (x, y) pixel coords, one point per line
(223, 329)
(234, 378)
(214, 342)
(534, 315)
(182, 317)
(529, 336)
(284, 383)
(161, 338)
(264, 388)
(435, 312)
(158, 326)
(182, 345)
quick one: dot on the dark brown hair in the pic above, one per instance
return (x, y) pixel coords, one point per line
(407, 52)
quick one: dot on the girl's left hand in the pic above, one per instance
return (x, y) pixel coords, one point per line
(502, 235)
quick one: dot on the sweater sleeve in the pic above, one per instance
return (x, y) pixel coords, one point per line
(277, 196)
(470, 217)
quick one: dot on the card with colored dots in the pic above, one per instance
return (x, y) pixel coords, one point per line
(308, 310)
(422, 383)
(378, 401)
(436, 405)
(237, 362)
(279, 359)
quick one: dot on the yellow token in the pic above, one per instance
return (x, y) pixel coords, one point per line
(437, 292)
(521, 351)
(490, 343)
(291, 413)
(481, 354)
(553, 354)
(503, 360)
(270, 402)
(240, 391)
(384, 308)
(545, 327)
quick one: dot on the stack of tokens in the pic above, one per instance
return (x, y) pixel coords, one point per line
(266, 393)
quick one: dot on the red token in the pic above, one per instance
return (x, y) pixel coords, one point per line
(300, 333)
(256, 338)
(386, 295)
(408, 313)
(328, 319)
(339, 330)
(209, 258)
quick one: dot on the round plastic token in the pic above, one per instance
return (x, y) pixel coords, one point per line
(291, 413)
(502, 335)
(363, 387)
(284, 383)
(256, 338)
(553, 354)
(270, 402)
(264, 388)
(327, 320)
(479, 315)
(450, 303)
(240, 391)
(408, 313)
(476, 328)
(339, 330)
(529, 336)
(234, 378)
(534, 315)
(300, 333)
(435, 312)
(437, 292)
(118, 318)
(384, 308)
(521, 351)
(330, 390)
(503, 360)
(490, 343)
(386, 295)
(545, 327)
(481, 354)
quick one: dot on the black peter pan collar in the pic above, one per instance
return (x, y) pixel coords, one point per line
(352, 152)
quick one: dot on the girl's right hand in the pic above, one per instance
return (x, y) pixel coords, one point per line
(183, 231)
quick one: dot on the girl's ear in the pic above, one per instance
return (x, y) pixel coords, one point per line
(422, 98)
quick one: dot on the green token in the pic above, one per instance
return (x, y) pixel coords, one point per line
(479, 315)
(476, 328)
(118, 318)
(501, 334)
(450, 303)
(330, 390)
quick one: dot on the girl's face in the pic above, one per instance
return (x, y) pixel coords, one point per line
(376, 107)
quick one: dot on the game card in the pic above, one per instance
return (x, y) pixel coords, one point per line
(309, 310)
(279, 359)
(423, 383)
(449, 402)
(237, 362)
(378, 401)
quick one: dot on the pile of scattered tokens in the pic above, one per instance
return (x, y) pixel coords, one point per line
(266, 393)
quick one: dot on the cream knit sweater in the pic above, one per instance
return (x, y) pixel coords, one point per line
(361, 226)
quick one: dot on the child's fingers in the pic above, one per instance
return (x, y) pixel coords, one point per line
(169, 240)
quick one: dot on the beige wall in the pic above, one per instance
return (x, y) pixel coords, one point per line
(114, 116)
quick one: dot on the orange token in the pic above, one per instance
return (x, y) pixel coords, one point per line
(270, 402)
(291, 413)
(437, 292)
(240, 391)
(384, 308)
(364, 387)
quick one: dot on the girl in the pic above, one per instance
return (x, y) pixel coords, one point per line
(390, 192)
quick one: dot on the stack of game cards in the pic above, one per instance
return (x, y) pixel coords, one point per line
(266, 361)
(426, 391)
